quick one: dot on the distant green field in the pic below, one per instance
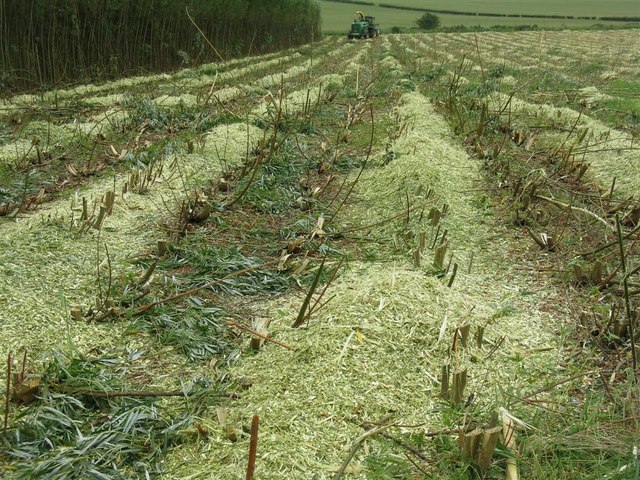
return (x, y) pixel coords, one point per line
(583, 8)
(336, 17)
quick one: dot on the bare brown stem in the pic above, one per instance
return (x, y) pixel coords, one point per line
(253, 446)
(8, 393)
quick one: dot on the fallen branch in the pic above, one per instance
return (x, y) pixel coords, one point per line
(355, 447)
(610, 244)
(302, 314)
(401, 443)
(258, 334)
(548, 387)
(131, 393)
(146, 308)
(117, 394)
(575, 209)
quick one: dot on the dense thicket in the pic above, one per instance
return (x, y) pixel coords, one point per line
(54, 41)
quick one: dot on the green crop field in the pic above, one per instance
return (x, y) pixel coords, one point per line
(337, 16)
(410, 257)
(583, 8)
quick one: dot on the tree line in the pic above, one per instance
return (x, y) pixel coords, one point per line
(52, 42)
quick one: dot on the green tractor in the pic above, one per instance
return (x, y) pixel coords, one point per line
(363, 27)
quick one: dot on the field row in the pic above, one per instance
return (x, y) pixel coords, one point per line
(74, 134)
(556, 79)
(36, 249)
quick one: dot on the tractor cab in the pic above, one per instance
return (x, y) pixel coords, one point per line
(363, 27)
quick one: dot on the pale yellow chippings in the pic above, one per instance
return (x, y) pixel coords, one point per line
(379, 345)
(611, 153)
(45, 267)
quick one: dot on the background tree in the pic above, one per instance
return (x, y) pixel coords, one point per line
(428, 21)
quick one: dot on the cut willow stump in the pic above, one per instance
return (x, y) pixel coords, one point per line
(163, 247)
(489, 442)
(459, 384)
(579, 273)
(76, 313)
(453, 275)
(471, 445)
(597, 273)
(480, 337)
(619, 327)
(260, 326)
(109, 200)
(464, 334)
(444, 381)
(85, 210)
(434, 215)
(416, 257)
(98, 223)
(478, 446)
(439, 255)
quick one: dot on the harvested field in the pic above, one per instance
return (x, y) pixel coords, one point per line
(395, 253)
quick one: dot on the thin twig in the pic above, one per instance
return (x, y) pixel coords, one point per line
(23, 370)
(203, 35)
(258, 334)
(575, 209)
(399, 442)
(610, 244)
(253, 446)
(355, 447)
(324, 290)
(627, 301)
(8, 393)
(302, 314)
(555, 384)
(376, 224)
(478, 53)
(413, 462)
(364, 165)
(146, 308)
(110, 277)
